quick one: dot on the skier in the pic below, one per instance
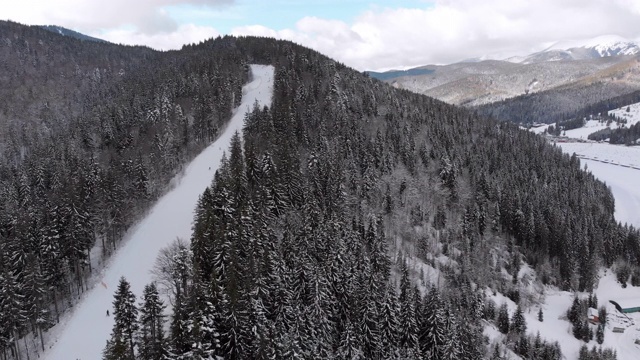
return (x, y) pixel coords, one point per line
(107, 312)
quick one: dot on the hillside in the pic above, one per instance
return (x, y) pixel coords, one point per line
(67, 32)
(353, 220)
(544, 87)
(168, 220)
(489, 81)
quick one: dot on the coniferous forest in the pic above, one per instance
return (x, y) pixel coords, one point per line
(306, 243)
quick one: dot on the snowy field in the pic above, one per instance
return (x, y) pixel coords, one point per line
(614, 154)
(556, 327)
(632, 117)
(619, 167)
(83, 333)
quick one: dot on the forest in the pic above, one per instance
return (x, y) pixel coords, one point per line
(562, 104)
(304, 245)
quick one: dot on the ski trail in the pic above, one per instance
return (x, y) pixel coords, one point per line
(83, 333)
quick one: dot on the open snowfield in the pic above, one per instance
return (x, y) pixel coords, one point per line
(603, 152)
(83, 333)
(610, 289)
(632, 117)
(556, 327)
(619, 167)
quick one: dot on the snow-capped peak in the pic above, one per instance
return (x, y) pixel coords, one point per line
(607, 45)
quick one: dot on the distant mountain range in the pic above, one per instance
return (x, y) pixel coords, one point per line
(606, 59)
(602, 46)
(70, 33)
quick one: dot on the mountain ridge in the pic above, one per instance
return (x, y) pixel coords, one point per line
(70, 33)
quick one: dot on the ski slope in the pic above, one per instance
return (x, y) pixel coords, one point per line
(83, 333)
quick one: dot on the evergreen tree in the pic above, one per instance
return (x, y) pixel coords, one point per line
(150, 338)
(540, 315)
(600, 334)
(349, 348)
(125, 315)
(518, 322)
(522, 346)
(503, 319)
(433, 332)
(574, 312)
(388, 323)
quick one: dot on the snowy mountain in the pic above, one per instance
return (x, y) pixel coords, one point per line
(602, 46)
(170, 218)
(351, 220)
(607, 60)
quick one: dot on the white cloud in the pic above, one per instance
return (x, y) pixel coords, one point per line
(442, 31)
(183, 34)
(452, 30)
(145, 16)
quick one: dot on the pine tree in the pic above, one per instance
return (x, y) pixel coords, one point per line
(408, 337)
(540, 315)
(125, 314)
(574, 312)
(180, 341)
(600, 334)
(150, 336)
(349, 348)
(388, 323)
(522, 347)
(518, 322)
(11, 308)
(497, 352)
(433, 330)
(503, 319)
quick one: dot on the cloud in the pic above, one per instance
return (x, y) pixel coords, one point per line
(183, 34)
(435, 32)
(147, 17)
(452, 30)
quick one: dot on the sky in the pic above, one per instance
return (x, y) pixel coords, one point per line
(364, 34)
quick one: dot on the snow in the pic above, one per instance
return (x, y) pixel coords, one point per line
(619, 167)
(556, 327)
(82, 334)
(610, 289)
(632, 117)
(540, 129)
(608, 153)
(589, 128)
(600, 43)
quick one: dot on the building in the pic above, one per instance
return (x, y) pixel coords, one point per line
(593, 316)
(627, 306)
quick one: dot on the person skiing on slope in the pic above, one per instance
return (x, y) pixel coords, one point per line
(107, 312)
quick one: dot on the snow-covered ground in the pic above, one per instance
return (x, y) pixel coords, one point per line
(632, 117)
(556, 327)
(82, 334)
(619, 167)
(614, 154)
(610, 289)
